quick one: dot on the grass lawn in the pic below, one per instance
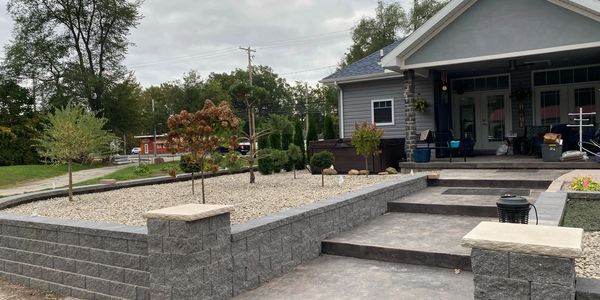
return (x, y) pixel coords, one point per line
(16, 175)
(583, 214)
(129, 173)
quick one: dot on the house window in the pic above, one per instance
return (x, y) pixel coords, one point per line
(382, 112)
(550, 107)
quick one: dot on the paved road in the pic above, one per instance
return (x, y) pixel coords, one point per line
(60, 181)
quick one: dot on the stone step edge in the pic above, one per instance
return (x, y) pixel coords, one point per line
(490, 183)
(442, 209)
(396, 255)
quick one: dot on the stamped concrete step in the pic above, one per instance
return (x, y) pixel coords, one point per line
(336, 277)
(466, 201)
(421, 239)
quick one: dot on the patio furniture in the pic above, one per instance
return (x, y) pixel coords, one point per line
(443, 141)
(531, 143)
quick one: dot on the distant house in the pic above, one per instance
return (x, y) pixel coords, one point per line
(488, 69)
(147, 144)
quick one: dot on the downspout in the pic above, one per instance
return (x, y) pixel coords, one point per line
(340, 109)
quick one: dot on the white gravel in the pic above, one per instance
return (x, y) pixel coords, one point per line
(270, 194)
(589, 264)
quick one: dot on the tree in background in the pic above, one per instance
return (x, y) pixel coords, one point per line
(202, 133)
(322, 160)
(71, 48)
(366, 139)
(73, 133)
(420, 12)
(328, 128)
(312, 133)
(294, 154)
(251, 96)
(390, 22)
(299, 141)
(18, 124)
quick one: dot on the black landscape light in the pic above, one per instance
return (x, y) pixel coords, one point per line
(514, 209)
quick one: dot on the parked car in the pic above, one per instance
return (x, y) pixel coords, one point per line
(136, 150)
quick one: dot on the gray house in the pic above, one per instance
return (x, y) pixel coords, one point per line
(488, 69)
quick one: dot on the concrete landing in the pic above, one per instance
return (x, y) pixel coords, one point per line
(335, 277)
(450, 201)
(422, 239)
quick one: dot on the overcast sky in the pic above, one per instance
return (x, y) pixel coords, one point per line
(300, 39)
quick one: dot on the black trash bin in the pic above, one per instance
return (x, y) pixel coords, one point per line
(513, 209)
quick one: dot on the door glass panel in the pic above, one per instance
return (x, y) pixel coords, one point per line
(586, 99)
(550, 107)
(496, 118)
(467, 117)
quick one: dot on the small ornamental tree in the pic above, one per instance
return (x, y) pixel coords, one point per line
(72, 134)
(202, 133)
(294, 155)
(322, 161)
(366, 139)
(187, 164)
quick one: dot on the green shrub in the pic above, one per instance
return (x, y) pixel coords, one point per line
(294, 156)
(320, 161)
(275, 140)
(299, 141)
(279, 159)
(328, 128)
(265, 162)
(188, 165)
(142, 169)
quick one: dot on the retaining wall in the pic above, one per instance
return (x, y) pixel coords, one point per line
(91, 260)
(85, 260)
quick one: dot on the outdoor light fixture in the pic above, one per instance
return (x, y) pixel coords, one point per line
(444, 80)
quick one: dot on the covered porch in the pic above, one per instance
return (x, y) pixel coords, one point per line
(525, 163)
(504, 71)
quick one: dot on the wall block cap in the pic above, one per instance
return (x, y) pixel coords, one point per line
(529, 239)
(189, 212)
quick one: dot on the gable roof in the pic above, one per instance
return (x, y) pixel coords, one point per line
(454, 9)
(367, 67)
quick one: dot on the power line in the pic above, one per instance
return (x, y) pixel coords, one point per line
(308, 70)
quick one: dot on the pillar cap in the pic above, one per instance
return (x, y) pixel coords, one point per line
(189, 212)
(529, 239)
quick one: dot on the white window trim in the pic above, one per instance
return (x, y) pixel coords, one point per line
(373, 112)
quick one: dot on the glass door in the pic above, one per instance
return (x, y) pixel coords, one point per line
(586, 97)
(495, 119)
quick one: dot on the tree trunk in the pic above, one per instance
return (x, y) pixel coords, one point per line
(193, 192)
(322, 179)
(70, 180)
(202, 180)
(367, 165)
(294, 172)
(251, 139)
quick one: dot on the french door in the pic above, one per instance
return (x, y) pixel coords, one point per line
(554, 103)
(484, 117)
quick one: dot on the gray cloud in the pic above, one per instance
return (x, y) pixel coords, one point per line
(291, 36)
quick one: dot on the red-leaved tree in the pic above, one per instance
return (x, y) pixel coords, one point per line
(202, 133)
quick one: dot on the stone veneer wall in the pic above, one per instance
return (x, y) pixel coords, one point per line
(85, 260)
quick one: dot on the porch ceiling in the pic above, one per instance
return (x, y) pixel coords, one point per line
(533, 62)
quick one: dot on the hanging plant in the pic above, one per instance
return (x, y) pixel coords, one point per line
(421, 105)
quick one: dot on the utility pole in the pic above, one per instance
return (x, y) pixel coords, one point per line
(306, 100)
(251, 123)
(249, 51)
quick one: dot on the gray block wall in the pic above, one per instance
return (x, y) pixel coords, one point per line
(510, 275)
(207, 259)
(268, 247)
(85, 260)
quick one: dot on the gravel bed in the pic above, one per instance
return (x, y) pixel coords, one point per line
(589, 264)
(270, 194)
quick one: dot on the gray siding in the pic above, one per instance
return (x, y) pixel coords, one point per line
(358, 97)
(491, 27)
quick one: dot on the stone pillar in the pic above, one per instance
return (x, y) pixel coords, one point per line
(410, 124)
(189, 248)
(516, 261)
